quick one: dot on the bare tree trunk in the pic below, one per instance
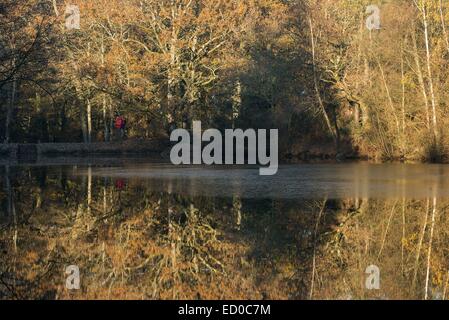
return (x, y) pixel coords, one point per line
(111, 123)
(315, 238)
(83, 124)
(421, 81)
(89, 121)
(429, 253)
(418, 250)
(315, 79)
(404, 202)
(390, 99)
(171, 72)
(11, 209)
(403, 144)
(443, 24)
(105, 200)
(105, 107)
(15, 236)
(105, 119)
(89, 189)
(237, 209)
(446, 283)
(384, 238)
(8, 191)
(429, 73)
(237, 103)
(55, 8)
(9, 110)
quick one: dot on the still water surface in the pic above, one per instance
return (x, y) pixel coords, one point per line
(306, 181)
(142, 230)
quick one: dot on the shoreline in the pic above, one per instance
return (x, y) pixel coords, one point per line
(159, 150)
(43, 150)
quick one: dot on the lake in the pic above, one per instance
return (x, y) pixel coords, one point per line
(137, 229)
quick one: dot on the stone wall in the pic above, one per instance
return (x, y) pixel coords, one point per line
(85, 149)
(8, 150)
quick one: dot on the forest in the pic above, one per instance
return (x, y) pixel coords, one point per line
(310, 68)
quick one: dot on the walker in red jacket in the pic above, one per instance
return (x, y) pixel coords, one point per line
(120, 124)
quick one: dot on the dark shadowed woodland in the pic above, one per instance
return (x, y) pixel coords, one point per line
(312, 69)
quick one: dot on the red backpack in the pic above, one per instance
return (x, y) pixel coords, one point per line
(119, 122)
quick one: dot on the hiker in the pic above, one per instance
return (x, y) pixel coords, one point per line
(120, 124)
(120, 184)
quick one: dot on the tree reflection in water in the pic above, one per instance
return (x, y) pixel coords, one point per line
(131, 242)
